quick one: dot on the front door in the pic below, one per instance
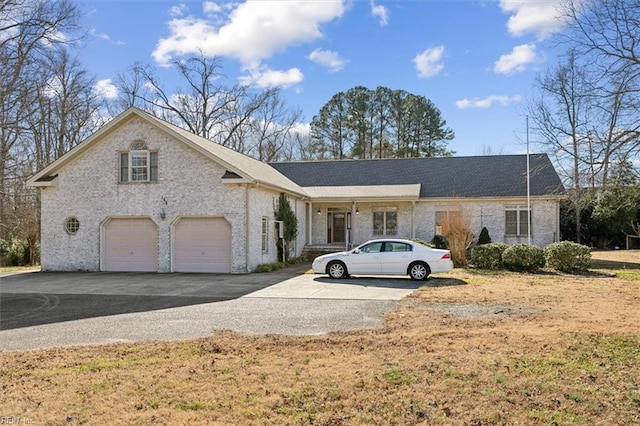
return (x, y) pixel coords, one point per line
(339, 223)
(336, 226)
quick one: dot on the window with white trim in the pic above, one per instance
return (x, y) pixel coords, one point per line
(139, 164)
(265, 234)
(515, 220)
(385, 221)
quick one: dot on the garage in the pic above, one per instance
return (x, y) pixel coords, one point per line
(130, 245)
(202, 244)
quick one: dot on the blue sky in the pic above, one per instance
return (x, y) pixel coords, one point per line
(476, 60)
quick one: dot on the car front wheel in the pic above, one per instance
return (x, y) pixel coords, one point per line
(336, 270)
(419, 271)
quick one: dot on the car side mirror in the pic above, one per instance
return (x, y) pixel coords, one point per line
(356, 251)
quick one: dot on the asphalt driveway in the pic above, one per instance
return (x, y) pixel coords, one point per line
(44, 309)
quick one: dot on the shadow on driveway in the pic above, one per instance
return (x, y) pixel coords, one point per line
(38, 298)
(399, 282)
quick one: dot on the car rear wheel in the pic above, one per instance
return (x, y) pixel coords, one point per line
(336, 270)
(419, 271)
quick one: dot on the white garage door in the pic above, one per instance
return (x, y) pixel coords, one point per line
(130, 245)
(202, 245)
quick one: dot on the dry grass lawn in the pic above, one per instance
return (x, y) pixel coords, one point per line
(470, 348)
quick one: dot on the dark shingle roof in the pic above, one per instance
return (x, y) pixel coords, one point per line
(483, 176)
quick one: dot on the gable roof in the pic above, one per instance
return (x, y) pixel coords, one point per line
(240, 168)
(441, 177)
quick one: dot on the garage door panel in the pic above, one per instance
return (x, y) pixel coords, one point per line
(202, 245)
(131, 245)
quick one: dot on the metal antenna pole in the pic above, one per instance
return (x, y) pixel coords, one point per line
(528, 188)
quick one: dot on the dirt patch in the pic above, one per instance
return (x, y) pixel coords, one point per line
(492, 349)
(474, 310)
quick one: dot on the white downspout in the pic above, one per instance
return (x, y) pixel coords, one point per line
(413, 219)
(246, 228)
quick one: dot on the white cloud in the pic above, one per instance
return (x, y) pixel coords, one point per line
(250, 32)
(178, 10)
(380, 12)
(211, 7)
(541, 18)
(104, 36)
(429, 62)
(517, 60)
(106, 89)
(261, 76)
(327, 58)
(488, 101)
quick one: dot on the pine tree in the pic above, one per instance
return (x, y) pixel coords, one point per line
(484, 237)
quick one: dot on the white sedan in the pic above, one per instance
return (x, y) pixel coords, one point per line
(385, 257)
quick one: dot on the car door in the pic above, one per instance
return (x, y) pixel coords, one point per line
(395, 258)
(366, 259)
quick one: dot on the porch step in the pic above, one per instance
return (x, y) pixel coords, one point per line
(310, 252)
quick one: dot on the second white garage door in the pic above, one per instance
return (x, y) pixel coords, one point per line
(202, 245)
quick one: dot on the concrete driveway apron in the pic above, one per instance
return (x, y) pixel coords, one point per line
(187, 306)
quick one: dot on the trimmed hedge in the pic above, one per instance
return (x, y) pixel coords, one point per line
(488, 256)
(567, 256)
(523, 258)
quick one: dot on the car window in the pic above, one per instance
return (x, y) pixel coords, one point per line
(372, 248)
(397, 247)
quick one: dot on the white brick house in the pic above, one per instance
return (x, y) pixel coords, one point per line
(143, 195)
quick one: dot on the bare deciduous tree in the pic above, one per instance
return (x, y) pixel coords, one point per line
(29, 31)
(238, 117)
(562, 115)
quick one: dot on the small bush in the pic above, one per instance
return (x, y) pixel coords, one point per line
(439, 242)
(484, 237)
(567, 256)
(423, 242)
(488, 256)
(523, 258)
(269, 267)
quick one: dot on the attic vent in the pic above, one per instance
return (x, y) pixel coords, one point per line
(231, 175)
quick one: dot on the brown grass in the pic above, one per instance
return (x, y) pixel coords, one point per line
(470, 348)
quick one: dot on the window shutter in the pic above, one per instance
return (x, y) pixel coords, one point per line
(524, 222)
(124, 167)
(153, 169)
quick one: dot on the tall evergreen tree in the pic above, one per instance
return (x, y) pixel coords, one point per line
(284, 213)
(380, 123)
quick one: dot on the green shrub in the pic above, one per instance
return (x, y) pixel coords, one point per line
(439, 242)
(568, 256)
(269, 267)
(523, 258)
(484, 237)
(488, 256)
(423, 242)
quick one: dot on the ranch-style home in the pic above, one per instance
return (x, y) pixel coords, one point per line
(144, 195)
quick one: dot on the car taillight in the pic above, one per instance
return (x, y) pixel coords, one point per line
(447, 255)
